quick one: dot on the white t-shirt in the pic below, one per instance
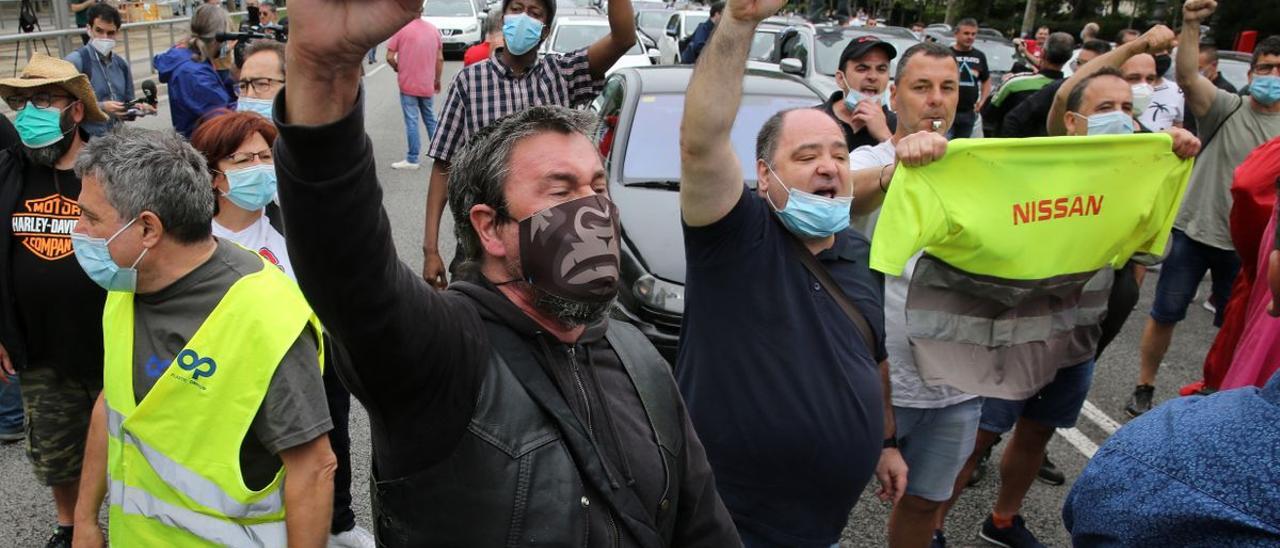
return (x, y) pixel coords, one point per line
(262, 238)
(909, 390)
(1166, 108)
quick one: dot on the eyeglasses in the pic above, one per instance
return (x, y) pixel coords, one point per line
(40, 100)
(1265, 70)
(260, 85)
(246, 157)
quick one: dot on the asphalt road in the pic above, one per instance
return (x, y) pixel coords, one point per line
(26, 509)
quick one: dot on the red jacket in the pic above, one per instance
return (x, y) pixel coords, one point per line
(475, 54)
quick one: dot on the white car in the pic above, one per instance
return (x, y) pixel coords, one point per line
(572, 33)
(458, 20)
(680, 27)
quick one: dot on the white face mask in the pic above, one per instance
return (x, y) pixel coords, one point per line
(102, 45)
(1142, 94)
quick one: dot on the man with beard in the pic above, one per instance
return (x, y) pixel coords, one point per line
(50, 312)
(507, 409)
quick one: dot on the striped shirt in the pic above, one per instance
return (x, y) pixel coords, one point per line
(485, 92)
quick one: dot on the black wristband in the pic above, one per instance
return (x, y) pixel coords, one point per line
(890, 443)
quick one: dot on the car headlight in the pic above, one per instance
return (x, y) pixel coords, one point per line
(471, 28)
(655, 293)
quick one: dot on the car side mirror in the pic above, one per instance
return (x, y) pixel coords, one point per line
(654, 55)
(673, 32)
(791, 65)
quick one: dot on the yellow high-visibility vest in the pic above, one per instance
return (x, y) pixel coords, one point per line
(173, 461)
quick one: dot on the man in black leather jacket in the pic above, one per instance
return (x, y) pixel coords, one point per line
(506, 410)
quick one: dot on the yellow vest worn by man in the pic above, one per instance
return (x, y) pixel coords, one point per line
(1020, 237)
(173, 461)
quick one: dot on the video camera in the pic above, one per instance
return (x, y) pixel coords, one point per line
(250, 30)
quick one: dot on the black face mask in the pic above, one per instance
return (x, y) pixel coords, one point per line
(569, 254)
(1163, 62)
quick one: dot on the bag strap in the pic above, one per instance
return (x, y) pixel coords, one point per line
(824, 277)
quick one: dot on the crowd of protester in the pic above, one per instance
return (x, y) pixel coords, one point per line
(183, 323)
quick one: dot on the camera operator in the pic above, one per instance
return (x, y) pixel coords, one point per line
(196, 85)
(109, 74)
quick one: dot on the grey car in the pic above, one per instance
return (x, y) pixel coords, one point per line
(639, 137)
(814, 53)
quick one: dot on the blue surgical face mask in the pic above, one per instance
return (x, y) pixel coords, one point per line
(852, 97)
(251, 188)
(1265, 89)
(1116, 122)
(39, 127)
(521, 32)
(265, 107)
(94, 256)
(811, 216)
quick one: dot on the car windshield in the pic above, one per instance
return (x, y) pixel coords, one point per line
(1000, 56)
(1236, 72)
(571, 37)
(449, 8)
(762, 45)
(650, 20)
(692, 21)
(830, 46)
(653, 148)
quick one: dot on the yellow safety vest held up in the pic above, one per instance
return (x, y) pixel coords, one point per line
(173, 461)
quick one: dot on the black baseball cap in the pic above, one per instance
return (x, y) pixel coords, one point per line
(860, 45)
(548, 9)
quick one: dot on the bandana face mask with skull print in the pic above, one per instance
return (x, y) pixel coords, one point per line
(569, 254)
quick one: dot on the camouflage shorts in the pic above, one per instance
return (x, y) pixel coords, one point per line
(58, 408)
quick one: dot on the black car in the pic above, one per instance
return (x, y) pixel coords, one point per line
(639, 137)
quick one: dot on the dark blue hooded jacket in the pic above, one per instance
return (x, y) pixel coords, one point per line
(195, 88)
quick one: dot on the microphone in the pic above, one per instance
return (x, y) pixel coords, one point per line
(149, 93)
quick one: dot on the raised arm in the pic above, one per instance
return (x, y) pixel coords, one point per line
(393, 325)
(622, 35)
(710, 179)
(1196, 89)
(1158, 38)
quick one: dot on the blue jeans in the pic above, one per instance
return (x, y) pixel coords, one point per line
(373, 55)
(412, 107)
(1180, 276)
(935, 443)
(10, 406)
(1057, 405)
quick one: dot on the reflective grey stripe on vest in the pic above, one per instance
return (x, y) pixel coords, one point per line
(1002, 338)
(114, 422)
(134, 501)
(191, 484)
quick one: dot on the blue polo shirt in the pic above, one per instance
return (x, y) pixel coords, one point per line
(783, 392)
(1195, 471)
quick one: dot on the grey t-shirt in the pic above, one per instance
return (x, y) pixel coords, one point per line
(1235, 129)
(295, 410)
(907, 386)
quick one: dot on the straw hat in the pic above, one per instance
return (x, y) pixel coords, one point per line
(45, 70)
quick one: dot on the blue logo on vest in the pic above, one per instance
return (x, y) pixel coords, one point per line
(155, 367)
(188, 360)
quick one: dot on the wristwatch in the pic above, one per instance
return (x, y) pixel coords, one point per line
(890, 443)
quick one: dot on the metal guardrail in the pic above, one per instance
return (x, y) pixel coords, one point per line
(68, 39)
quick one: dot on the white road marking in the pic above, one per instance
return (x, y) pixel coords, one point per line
(1099, 418)
(375, 71)
(1081, 442)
